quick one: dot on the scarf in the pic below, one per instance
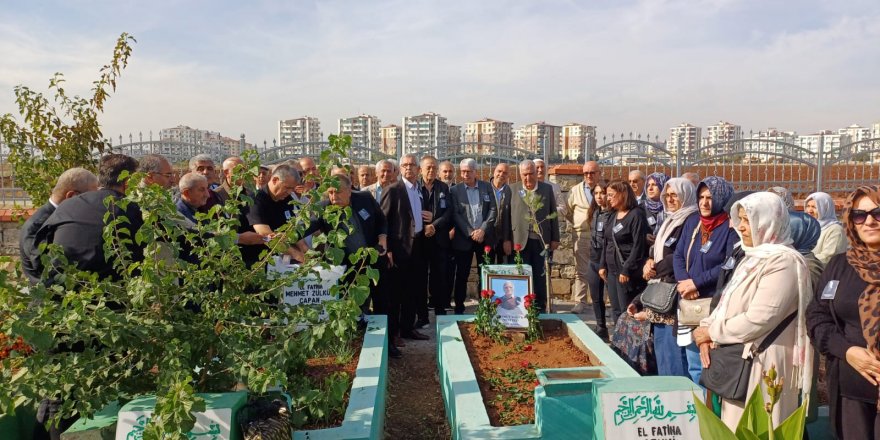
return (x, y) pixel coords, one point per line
(825, 208)
(805, 231)
(687, 198)
(784, 194)
(867, 264)
(721, 191)
(656, 206)
(771, 236)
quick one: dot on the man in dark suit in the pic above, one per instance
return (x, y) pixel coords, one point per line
(72, 182)
(532, 229)
(437, 200)
(78, 224)
(402, 205)
(501, 247)
(474, 217)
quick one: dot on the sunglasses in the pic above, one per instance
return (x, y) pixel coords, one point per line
(859, 216)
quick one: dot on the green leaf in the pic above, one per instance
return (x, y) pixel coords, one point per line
(711, 427)
(755, 418)
(793, 426)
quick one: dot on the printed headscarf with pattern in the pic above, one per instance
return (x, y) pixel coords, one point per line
(660, 179)
(721, 191)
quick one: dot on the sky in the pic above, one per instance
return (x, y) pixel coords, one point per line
(624, 66)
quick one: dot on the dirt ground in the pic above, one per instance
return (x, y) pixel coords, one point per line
(415, 403)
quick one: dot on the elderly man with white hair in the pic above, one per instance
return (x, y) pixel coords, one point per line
(193, 195)
(473, 216)
(386, 176)
(541, 172)
(204, 165)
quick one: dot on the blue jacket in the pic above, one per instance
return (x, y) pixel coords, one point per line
(705, 267)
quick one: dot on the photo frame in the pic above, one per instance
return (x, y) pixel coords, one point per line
(511, 290)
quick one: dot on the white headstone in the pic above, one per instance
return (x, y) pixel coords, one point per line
(650, 415)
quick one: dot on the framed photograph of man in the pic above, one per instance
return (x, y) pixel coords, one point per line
(511, 290)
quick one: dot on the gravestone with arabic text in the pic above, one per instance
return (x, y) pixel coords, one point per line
(217, 422)
(646, 408)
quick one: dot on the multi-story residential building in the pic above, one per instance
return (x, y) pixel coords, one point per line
(684, 139)
(771, 140)
(454, 134)
(183, 133)
(875, 130)
(424, 132)
(541, 139)
(827, 139)
(299, 130)
(856, 133)
(365, 131)
(576, 141)
(391, 140)
(487, 131)
(720, 136)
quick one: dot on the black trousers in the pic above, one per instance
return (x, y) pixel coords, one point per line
(497, 255)
(408, 288)
(463, 260)
(437, 260)
(531, 255)
(597, 294)
(47, 410)
(857, 420)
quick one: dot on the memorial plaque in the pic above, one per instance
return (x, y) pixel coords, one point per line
(312, 289)
(648, 408)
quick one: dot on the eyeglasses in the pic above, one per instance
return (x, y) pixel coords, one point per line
(859, 216)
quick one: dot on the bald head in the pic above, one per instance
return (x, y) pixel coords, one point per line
(73, 182)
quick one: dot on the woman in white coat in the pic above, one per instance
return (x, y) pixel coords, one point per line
(832, 240)
(770, 284)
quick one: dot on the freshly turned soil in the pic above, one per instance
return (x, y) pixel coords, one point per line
(319, 368)
(512, 402)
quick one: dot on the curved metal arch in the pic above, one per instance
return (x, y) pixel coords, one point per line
(458, 147)
(664, 162)
(137, 150)
(492, 158)
(314, 149)
(747, 152)
(716, 145)
(848, 149)
(611, 145)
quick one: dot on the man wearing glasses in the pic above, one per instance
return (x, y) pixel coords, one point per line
(578, 210)
(637, 182)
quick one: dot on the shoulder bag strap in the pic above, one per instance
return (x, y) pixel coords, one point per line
(775, 333)
(687, 258)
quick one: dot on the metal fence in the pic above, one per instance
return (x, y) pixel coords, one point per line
(750, 164)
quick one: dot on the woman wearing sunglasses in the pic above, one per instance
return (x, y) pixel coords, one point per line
(843, 320)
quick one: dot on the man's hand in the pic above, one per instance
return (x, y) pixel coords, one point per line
(452, 233)
(603, 273)
(701, 336)
(429, 230)
(427, 216)
(554, 245)
(390, 259)
(296, 254)
(251, 238)
(507, 246)
(478, 235)
(623, 279)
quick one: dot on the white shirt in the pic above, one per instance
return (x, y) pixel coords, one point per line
(415, 203)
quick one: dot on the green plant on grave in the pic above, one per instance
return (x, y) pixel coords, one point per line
(62, 132)
(534, 330)
(533, 202)
(756, 422)
(189, 317)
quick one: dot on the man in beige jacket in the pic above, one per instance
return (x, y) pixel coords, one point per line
(580, 197)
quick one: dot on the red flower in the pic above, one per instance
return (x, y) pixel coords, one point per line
(524, 364)
(485, 294)
(537, 382)
(497, 301)
(517, 247)
(487, 249)
(527, 348)
(527, 302)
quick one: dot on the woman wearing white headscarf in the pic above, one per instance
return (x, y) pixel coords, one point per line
(679, 198)
(771, 284)
(832, 240)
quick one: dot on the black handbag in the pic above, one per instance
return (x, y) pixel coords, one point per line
(659, 296)
(728, 373)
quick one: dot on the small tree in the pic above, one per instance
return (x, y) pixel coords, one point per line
(59, 134)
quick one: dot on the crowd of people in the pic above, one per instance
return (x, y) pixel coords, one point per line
(690, 267)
